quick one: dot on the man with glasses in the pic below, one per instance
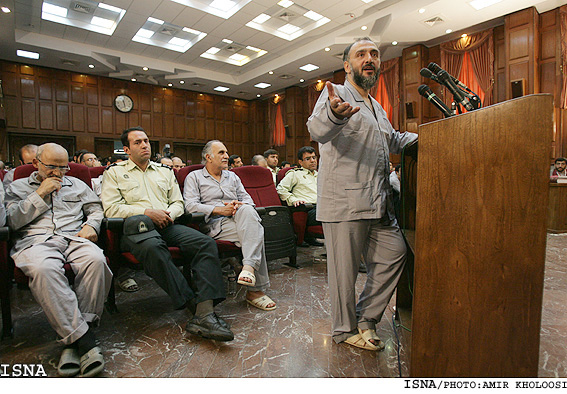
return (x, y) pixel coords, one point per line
(56, 220)
(299, 186)
(89, 159)
(27, 154)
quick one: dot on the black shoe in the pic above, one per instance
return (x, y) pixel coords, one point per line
(314, 242)
(210, 327)
(222, 322)
(362, 267)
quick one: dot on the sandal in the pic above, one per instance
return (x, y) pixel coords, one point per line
(69, 363)
(371, 334)
(246, 275)
(262, 303)
(357, 341)
(129, 285)
(92, 363)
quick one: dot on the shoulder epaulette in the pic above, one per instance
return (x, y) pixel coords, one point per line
(166, 166)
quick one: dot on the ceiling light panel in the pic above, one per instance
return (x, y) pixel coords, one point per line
(480, 4)
(221, 8)
(288, 20)
(309, 67)
(221, 88)
(84, 14)
(262, 85)
(231, 52)
(166, 35)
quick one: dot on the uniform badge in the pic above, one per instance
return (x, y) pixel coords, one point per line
(126, 176)
(142, 228)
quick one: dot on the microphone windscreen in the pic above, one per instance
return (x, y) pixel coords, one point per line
(423, 90)
(425, 72)
(434, 67)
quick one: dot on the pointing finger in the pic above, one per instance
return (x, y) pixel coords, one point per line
(330, 89)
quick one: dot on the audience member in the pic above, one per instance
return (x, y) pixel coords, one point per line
(177, 163)
(299, 186)
(2, 207)
(235, 161)
(89, 159)
(354, 200)
(26, 155)
(117, 158)
(2, 165)
(395, 178)
(147, 194)
(230, 216)
(166, 161)
(259, 160)
(285, 164)
(78, 154)
(272, 157)
(559, 169)
(57, 220)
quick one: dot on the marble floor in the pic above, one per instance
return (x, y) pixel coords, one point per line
(147, 338)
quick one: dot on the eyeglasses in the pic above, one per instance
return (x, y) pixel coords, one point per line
(60, 168)
(91, 159)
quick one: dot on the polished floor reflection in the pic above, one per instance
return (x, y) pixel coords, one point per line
(147, 338)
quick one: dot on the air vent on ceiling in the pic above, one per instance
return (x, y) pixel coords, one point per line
(196, 84)
(83, 8)
(286, 16)
(339, 56)
(234, 47)
(241, 92)
(286, 76)
(170, 31)
(433, 21)
(68, 62)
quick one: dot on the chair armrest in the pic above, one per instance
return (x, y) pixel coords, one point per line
(4, 233)
(113, 224)
(191, 218)
(261, 210)
(302, 207)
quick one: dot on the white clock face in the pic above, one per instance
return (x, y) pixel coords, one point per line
(123, 103)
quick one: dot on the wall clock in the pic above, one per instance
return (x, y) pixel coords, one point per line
(123, 103)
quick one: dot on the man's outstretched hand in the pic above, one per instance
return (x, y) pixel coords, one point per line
(341, 109)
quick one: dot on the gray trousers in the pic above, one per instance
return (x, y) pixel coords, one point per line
(245, 229)
(384, 251)
(68, 312)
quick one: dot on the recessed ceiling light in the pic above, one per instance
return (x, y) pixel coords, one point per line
(318, 81)
(288, 28)
(448, 31)
(366, 1)
(223, 5)
(363, 27)
(180, 42)
(261, 18)
(54, 10)
(154, 20)
(6, 10)
(262, 85)
(309, 67)
(394, 43)
(145, 68)
(238, 57)
(421, 10)
(463, 35)
(133, 80)
(145, 33)
(212, 50)
(327, 49)
(312, 15)
(91, 66)
(285, 3)
(258, 95)
(102, 22)
(480, 4)
(221, 88)
(181, 82)
(227, 41)
(28, 54)
(170, 84)
(110, 8)
(270, 72)
(302, 80)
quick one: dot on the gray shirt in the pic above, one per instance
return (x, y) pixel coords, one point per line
(2, 207)
(202, 193)
(353, 181)
(65, 212)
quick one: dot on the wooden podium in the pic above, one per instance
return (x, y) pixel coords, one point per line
(480, 236)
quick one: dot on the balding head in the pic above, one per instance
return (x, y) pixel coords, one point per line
(52, 160)
(177, 163)
(27, 153)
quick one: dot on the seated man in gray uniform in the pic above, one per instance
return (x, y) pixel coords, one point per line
(2, 207)
(299, 186)
(148, 190)
(230, 216)
(56, 220)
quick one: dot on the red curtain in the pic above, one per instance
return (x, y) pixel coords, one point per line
(387, 89)
(563, 17)
(382, 98)
(480, 49)
(467, 76)
(278, 131)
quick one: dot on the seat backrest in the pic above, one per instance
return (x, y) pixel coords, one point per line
(182, 174)
(95, 172)
(281, 174)
(259, 183)
(2, 172)
(79, 171)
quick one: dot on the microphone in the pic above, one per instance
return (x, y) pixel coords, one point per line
(426, 92)
(446, 80)
(434, 67)
(426, 73)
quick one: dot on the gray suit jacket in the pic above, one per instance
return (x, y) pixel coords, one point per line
(353, 181)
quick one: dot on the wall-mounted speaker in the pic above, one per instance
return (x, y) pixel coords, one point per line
(518, 87)
(287, 131)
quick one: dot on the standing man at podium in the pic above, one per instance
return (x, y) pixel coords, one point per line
(354, 197)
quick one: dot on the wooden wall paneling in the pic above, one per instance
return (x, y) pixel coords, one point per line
(133, 118)
(84, 141)
(179, 127)
(201, 134)
(62, 90)
(522, 49)
(63, 117)
(26, 70)
(499, 65)
(29, 114)
(46, 116)
(78, 117)
(209, 129)
(27, 87)
(229, 131)
(157, 125)
(168, 124)
(414, 59)
(145, 122)
(92, 95)
(45, 88)
(107, 124)
(10, 84)
(145, 99)
(93, 121)
(107, 97)
(77, 93)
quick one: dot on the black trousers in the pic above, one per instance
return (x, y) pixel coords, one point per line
(312, 217)
(200, 263)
